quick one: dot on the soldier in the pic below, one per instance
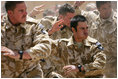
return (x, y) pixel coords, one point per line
(23, 38)
(91, 7)
(60, 27)
(104, 29)
(108, 36)
(48, 12)
(79, 56)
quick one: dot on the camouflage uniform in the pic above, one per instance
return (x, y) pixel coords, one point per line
(28, 37)
(48, 22)
(68, 52)
(105, 30)
(106, 33)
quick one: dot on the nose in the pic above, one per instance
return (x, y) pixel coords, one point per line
(86, 31)
(25, 13)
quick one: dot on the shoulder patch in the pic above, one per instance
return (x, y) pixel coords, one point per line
(42, 28)
(98, 44)
(40, 25)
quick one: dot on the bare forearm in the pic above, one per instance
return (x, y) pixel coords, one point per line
(13, 54)
(50, 32)
(26, 56)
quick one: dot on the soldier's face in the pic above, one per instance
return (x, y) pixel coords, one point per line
(67, 18)
(105, 10)
(18, 15)
(82, 30)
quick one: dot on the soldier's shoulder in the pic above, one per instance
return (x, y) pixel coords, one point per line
(115, 15)
(49, 19)
(64, 41)
(32, 20)
(96, 12)
(45, 21)
(4, 18)
(4, 21)
(52, 18)
(93, 41)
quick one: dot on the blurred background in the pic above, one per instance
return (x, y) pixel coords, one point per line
(54, 5)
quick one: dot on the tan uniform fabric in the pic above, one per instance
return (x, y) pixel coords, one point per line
(105, 30)
(28, 37)
(106, 33)
(68, 52)
(48, 22)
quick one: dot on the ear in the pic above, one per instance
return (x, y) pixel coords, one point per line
(73, 30)
(98, 9)
(60, 16)
(10, 12)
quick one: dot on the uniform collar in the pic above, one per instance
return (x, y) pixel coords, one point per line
(89, 40)
(9, 25)
(86, 42)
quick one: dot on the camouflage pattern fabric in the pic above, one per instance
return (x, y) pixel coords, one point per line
(48, 22)
(68, 52)
(29, 37)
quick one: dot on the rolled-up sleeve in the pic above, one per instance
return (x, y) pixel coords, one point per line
(99, 62)
(97, 67)
(42, 44)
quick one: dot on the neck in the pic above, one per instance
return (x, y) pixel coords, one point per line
(77, 39)
(12, 21)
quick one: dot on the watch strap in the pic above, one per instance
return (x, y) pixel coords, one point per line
(21, 54)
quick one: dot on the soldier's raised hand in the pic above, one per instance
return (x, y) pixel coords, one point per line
(37, 10)
(56, 27)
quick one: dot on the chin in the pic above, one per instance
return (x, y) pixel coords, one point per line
(106, 17)
(85, 37)
(24, 21)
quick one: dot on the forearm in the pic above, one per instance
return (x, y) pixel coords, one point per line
(31, 14)
(42, 48)
(26, 56)
(14, 54)
(50, 32)
(99, 62)
(39, 51)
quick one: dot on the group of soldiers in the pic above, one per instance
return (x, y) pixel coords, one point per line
(76, 44)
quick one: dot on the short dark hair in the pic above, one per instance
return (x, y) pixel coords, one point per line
(10, 5)
(99, 3)
(74, 21)
(64, 9)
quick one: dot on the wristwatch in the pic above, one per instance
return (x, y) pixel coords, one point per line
(21, 54)
(79, 67)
